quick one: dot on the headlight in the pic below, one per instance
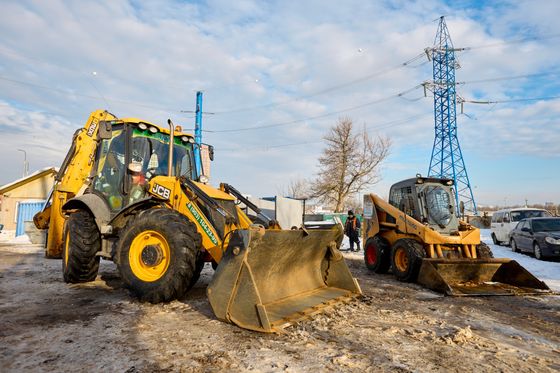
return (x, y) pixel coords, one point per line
(142, 126)
(203, 179)
(552, 240)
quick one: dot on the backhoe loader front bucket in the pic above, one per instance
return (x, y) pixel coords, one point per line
(268, 279)
(479, 277)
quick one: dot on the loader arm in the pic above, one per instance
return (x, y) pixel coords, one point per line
(72, 178)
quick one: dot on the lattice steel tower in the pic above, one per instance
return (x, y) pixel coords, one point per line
(447, 159)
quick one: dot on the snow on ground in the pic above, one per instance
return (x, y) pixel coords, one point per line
(7, 237)
(546, 271)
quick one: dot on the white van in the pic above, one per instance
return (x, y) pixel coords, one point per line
(503, 221)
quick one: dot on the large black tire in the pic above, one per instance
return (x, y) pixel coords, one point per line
(197, 269)
(537, 251)
(406, 258)
(377, 254)
(159, 255)
(513, 245)
(82, 241)
(483, 251)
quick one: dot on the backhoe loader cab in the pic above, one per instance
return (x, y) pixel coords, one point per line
(128, 191)
(134, 154)
(428, 200)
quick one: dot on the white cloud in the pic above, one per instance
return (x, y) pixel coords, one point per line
(150, 58)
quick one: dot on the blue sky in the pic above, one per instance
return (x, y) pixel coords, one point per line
(292, 68)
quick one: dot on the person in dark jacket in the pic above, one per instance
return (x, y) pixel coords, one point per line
(352, 230)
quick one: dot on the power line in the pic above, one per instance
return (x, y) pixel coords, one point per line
(513, 41)
(323, 91)
(393, 123)
(556, 72)
(381, 72)
(74, 94)
(318, 116)
(510, 100)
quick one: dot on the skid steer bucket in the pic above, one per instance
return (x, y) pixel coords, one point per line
(479, 277)
(269, 279)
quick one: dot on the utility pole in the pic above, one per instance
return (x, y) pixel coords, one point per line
(198, 133)
(25, 163)
(447, 160)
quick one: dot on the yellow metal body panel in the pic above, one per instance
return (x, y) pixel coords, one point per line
(407, 227)
(215, 193)
(75, 178)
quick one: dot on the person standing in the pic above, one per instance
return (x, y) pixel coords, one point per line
(352, 230)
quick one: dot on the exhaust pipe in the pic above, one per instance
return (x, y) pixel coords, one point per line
(171, 141)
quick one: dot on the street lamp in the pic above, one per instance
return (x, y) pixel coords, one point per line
(25, 163)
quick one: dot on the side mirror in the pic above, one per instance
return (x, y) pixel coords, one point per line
(211, 152)
(525, 229)
(462, 207)
(105, 129)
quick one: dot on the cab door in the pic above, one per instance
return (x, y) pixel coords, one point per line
(525, 237)
(503, 229)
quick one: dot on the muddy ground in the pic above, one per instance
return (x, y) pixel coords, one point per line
(47, 325)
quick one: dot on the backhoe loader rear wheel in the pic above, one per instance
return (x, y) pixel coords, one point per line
(377, 254)
(82, 241)
(159, 255)
(483, 251)
(406, 257)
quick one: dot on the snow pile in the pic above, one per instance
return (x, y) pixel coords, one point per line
(546, 271)
(23, 239)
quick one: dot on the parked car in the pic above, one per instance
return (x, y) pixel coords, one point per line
(503, 221)
(540, 236)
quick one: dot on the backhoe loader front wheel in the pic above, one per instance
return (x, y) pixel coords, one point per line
(406, 258)
(158, 255)
(82, 241)
(377, 254)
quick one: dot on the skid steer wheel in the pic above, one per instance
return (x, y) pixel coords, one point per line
(82, 241)
(377, 254)
(483, 251)
(158, 255)
(406, 257)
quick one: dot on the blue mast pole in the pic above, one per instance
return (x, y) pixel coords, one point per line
(198, 134)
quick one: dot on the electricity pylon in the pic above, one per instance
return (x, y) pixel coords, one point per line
(447, 159)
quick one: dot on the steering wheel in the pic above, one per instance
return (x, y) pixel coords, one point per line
(151, 172)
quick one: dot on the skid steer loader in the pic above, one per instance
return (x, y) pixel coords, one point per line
(128, 191)
(418, 236)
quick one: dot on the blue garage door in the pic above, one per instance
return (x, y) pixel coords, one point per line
(26, 211)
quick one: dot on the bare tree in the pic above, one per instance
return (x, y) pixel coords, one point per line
(297, 188)
(349, 163)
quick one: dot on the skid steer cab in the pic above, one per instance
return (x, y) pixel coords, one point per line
(128, 191)
(418, 236)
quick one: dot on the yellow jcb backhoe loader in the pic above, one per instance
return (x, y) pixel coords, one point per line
(128, 191)
(418, 236)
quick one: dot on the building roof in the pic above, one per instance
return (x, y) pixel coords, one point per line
(34, 176)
